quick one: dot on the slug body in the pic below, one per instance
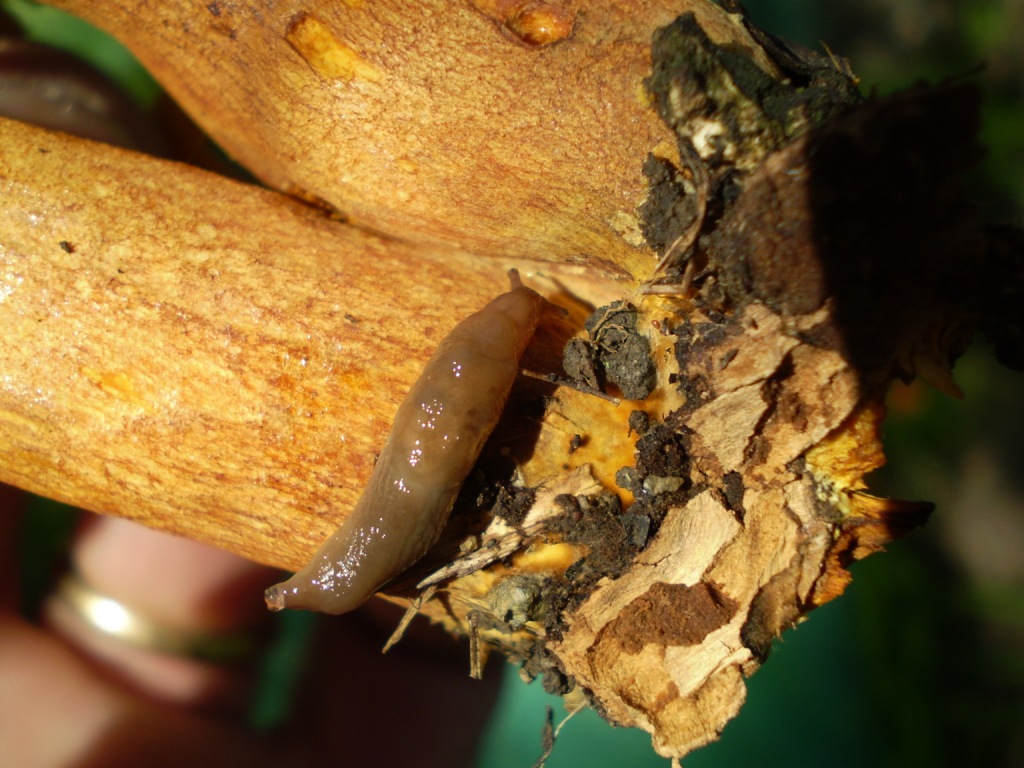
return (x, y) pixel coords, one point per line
(437, 435)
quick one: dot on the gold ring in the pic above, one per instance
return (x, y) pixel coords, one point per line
(112, 618)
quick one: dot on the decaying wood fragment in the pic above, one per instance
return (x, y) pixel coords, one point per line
(747, 251)
(798, 307)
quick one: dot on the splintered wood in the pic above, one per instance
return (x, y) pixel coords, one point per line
(668, 643)
(773, 344)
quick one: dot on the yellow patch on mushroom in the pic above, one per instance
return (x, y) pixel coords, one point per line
(329, 56)
(116, 383)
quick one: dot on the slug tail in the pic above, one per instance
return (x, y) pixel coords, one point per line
(301, 593)
(275, 597)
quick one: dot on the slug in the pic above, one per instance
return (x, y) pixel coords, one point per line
(436, 437)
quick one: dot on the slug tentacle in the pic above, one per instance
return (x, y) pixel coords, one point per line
(436, 437)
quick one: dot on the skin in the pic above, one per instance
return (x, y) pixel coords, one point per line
(120, 706)
(46, 87)
(435, 440)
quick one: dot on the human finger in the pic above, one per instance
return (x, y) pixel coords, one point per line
(172, 618)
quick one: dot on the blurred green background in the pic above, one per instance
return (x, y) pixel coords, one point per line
(921, 663)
